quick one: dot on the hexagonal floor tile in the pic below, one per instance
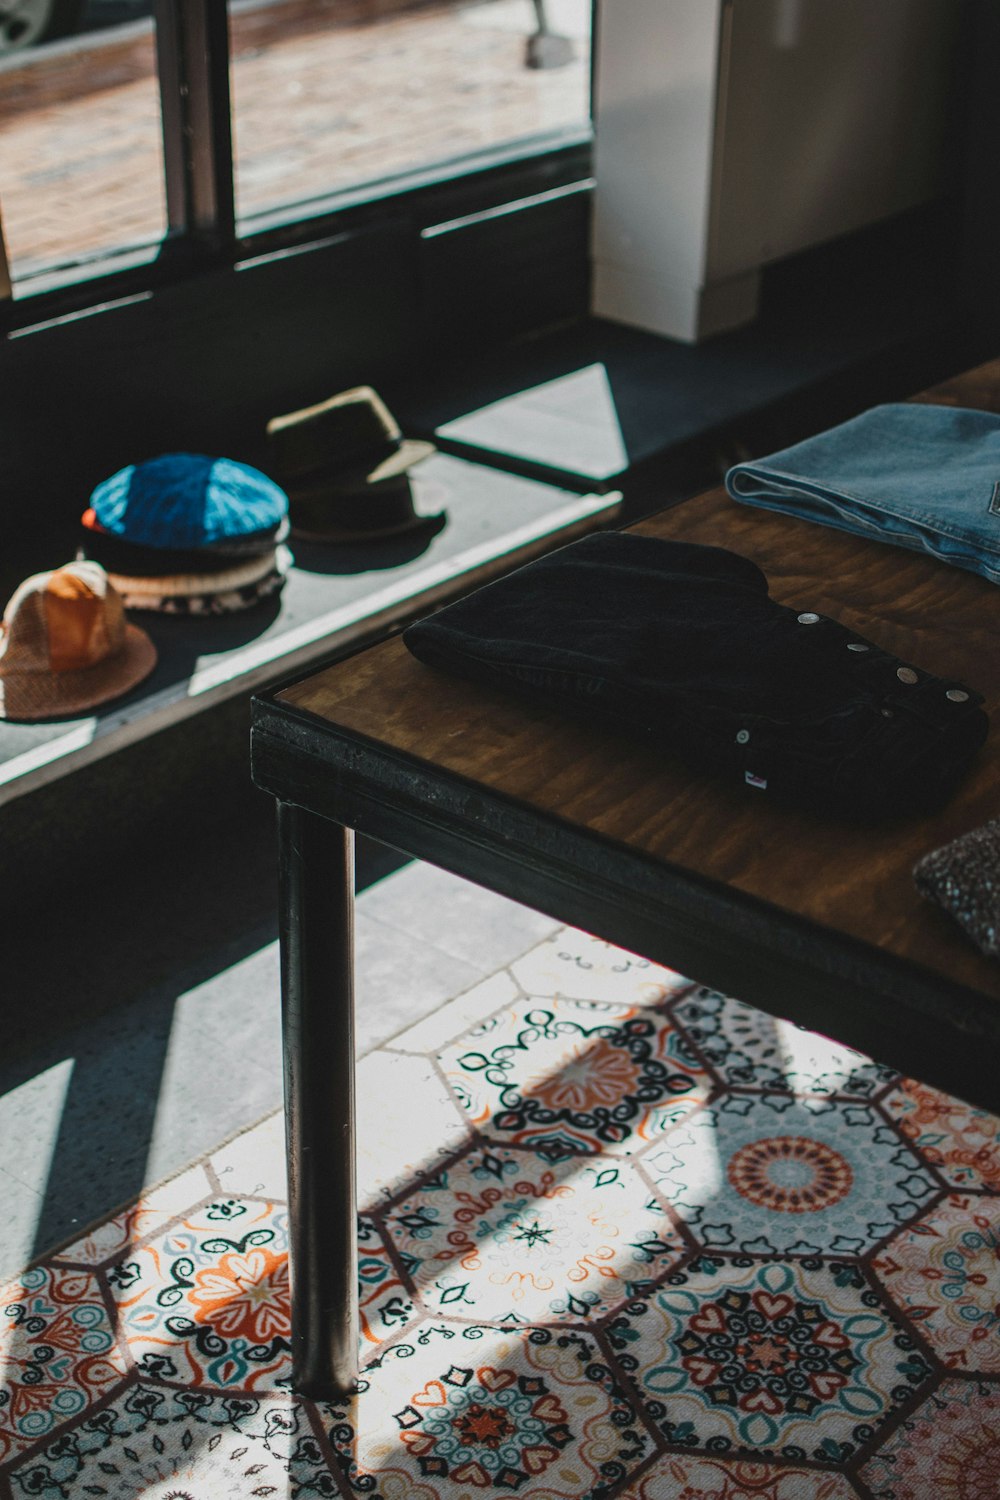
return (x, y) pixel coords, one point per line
(58, 1353)
(769, 1174)
(567, 1076)
(962, 1142)
(942, 1273)
(782, 1359)
(575, 966)
(749, 1049)
(207, 1302)
(407, 1122)
(156, 1207)
(503, 1236)
(255, 1163)
(466, 1411)
(163, 1443)
(698, 1478)
(385, 1305)
(948, 1449)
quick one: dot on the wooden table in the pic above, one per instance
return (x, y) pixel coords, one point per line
(805, 918)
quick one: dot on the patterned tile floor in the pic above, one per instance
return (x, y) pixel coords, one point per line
(620, 1237)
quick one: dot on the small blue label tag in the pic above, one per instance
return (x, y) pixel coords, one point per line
(757, 781)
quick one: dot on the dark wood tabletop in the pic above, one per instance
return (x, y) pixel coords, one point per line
(829, 887)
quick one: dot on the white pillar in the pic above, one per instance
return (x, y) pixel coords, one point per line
(729, 133)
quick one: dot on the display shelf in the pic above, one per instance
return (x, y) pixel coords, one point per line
(335, 597)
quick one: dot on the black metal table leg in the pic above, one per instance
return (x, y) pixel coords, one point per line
(316, 872)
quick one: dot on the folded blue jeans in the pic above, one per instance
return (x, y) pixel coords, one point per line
(682, 647)
(923, 477)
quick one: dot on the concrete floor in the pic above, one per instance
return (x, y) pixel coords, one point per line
(142, 1017)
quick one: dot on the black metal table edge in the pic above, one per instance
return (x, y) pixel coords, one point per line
(622, 896)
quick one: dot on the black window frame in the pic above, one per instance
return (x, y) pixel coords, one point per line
(193, 64)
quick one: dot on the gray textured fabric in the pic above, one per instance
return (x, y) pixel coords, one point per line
(964, 878)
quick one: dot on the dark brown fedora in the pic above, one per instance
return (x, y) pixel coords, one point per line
(344, 464)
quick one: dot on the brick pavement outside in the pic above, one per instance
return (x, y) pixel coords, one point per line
(327, 94)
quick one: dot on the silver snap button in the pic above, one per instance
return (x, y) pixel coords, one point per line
(906, 674)
(808, 619)
(957, 696)
(743, 735)
(856, 646)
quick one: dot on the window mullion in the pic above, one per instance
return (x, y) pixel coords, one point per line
(6, 286)
(192, 44)
(6, 290)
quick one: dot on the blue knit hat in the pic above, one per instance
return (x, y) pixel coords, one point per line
(188, 500)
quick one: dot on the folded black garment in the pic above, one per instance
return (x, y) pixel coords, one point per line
(681, 645)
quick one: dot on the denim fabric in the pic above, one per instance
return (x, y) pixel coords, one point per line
(923, 477)
(681, 645)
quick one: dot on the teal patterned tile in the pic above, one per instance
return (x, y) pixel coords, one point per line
(770, 1174)
(783, 1359)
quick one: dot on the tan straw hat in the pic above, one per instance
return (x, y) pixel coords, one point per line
(65, 646)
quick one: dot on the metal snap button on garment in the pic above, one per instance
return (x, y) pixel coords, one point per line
(742, 736)
(906, 674)
(856, 646)
(957, 696)
(808, 619)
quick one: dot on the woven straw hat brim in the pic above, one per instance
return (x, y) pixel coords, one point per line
(33, 696)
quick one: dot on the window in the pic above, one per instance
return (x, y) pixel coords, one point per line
(192, 138)
(81, 151)
(334, 97)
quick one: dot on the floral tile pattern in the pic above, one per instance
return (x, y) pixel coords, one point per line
(509, 1237)
(749, 1049)
(207, 1303)
(567, 1076)
(778, 1357)
(620, 1239)
(157, 1442)
(386, 1304)
(681, 1478)
(473, 1410)
(962, 1142)
(948, 1449)
(942, 1273)
(60, 1353)
(770, 1174)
